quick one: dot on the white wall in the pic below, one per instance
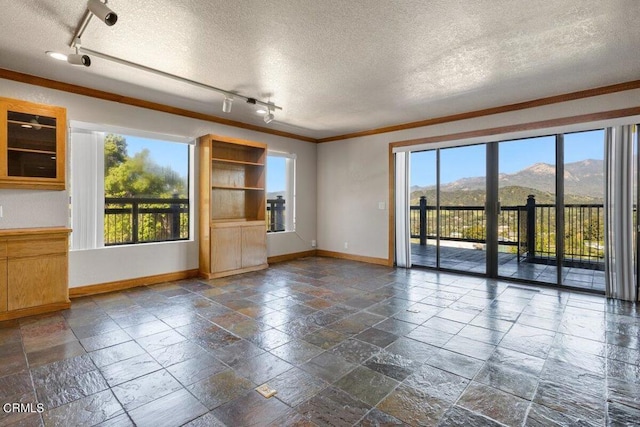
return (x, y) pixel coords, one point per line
(353, 174)
(30, 208)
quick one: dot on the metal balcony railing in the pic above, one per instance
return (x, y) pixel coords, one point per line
(130, 220)
(528, 228)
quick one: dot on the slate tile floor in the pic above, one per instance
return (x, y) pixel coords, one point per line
(344, 343)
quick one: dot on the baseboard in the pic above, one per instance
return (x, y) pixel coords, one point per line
(290, 257)
(32, 311)
(352, 257)
(118, 285)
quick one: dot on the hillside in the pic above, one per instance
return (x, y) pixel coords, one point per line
(583, 184)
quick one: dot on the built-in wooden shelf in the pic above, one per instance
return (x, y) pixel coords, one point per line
(237, 162)
(233, 232)
(230, 187)
(27, 150)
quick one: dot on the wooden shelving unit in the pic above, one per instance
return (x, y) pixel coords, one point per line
(32, 145)
(232, 206)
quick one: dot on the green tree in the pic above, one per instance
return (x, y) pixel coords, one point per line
(115, 151)
(139, 177)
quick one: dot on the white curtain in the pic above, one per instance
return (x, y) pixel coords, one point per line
(618, 214)
(403, 225)
(87, 189)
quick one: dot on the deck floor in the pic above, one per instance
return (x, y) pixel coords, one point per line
(473, 260)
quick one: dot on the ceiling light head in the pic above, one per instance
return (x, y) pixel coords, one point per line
(79, 59)
(227, 103)
(57, 55)
(268, 118)
(101, 10)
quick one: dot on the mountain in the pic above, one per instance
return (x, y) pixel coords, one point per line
(583, 183)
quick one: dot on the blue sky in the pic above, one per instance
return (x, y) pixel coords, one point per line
(176, 155)
(470, 161)
(276, 174)
(171, 154)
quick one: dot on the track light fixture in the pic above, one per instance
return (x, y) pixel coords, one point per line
(77, 58)
(103, 13)
(227, 103)
(268, 118)
(109, 17)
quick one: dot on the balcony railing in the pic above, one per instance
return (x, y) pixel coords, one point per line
(143, 220)
(275, 215)
(528, 229)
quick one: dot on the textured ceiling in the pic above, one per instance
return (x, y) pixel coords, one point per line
(336, 66)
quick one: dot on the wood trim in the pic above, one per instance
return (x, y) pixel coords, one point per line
(136, 102)
(290, 257)
(563, 121)
(233, 272)
(118, 285)
(10, 232)
(352, 257)
(32, 311)
(572, 96)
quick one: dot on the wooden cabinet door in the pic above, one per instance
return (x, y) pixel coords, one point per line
(37, 281)
(226, 249)
(254, 246)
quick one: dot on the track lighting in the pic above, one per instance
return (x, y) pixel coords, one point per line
(79, 59)
(269, 117)
(103, 13)
(227, 103)
(99, 9)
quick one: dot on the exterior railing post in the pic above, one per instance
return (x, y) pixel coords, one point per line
(278, 213)
(175, 218)
(531, 227)
(423, 220)
(134, 221)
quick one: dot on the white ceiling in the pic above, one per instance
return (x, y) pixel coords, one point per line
(336, 66)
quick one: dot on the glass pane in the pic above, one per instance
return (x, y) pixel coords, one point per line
(31, 145)
(146, 190)
(462, 208)
(526, 223)
(34, 165)
(276, 193)
(583, 264)
(31, 132)
(423, 208)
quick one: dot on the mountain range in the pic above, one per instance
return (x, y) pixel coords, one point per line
(583, 183)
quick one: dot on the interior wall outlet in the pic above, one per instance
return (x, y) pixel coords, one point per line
(346, 245)
(382, 205)
(313, 244)
(1, 212)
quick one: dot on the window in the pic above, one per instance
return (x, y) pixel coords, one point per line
(128, 189)
(280, 192)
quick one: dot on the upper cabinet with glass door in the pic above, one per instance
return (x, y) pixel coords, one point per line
(32, 145)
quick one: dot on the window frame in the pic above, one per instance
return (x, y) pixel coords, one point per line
(87, 218)
(290, 189)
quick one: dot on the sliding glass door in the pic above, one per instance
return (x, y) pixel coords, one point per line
(463, 194)
(527, 216)
(423, 201)
(583, 260)
(528, 209)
